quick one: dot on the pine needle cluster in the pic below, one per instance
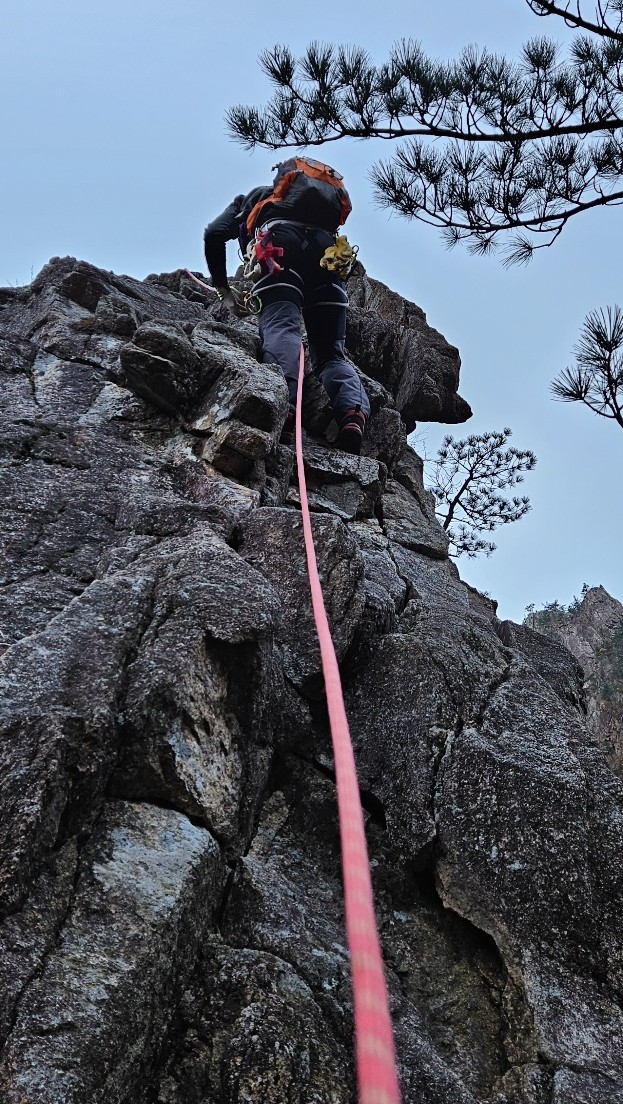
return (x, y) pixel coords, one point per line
(520, 146)
(494, 152)
(596, 378)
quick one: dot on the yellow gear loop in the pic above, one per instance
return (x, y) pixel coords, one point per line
(340, 258)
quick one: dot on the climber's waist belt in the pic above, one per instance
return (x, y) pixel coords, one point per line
(291, 222)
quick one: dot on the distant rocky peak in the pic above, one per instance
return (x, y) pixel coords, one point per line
(591, 627)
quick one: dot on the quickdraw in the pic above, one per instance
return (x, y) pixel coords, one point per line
(252, 302)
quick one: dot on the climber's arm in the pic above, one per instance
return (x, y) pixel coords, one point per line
(222, 229)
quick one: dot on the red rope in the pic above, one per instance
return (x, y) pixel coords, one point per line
(201, 283)
(377, 1076)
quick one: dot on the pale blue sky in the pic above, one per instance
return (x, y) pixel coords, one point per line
(115, 151)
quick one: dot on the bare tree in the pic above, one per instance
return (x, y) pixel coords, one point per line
(468, 478)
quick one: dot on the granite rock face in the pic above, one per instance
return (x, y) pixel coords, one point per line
(171, 926)
(591, 628)
(390, 339)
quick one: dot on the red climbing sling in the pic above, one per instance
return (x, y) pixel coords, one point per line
(377, 1076)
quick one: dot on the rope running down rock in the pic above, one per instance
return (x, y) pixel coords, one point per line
(377, 1077)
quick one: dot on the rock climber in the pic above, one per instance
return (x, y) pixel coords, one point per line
(298, 263)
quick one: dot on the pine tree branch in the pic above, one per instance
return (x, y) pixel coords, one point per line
(488, 145)
(596, 379)
(452, 505)
(393, 132)
(535, 223)
(545, 8)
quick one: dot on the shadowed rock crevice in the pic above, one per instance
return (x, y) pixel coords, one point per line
(29, 936)
(439, 966)
(170, 875)
(391, 341)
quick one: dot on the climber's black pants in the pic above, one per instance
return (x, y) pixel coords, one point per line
(304, 290)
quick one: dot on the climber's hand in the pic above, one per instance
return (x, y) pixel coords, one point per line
(230, 302)
(227, 301)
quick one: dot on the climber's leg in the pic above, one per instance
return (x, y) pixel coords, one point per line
(325, 322)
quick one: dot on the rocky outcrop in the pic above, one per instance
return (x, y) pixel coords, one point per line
(170, 901)
(392, 342)
(591, 628)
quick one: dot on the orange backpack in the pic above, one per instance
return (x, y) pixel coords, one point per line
(304, 191)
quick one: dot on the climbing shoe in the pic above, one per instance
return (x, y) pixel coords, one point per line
(350, 436)
(287, 433)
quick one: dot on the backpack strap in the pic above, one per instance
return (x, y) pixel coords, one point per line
(281, 189)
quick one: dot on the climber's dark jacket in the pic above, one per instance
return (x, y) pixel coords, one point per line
(227, 226)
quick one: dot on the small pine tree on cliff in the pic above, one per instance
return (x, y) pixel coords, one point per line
(468, 479)
(520, 147)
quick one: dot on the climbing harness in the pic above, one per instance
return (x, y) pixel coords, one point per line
(261, 249)
(340, 258)
(377, 1076)
(260, 261)
(265, 251)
